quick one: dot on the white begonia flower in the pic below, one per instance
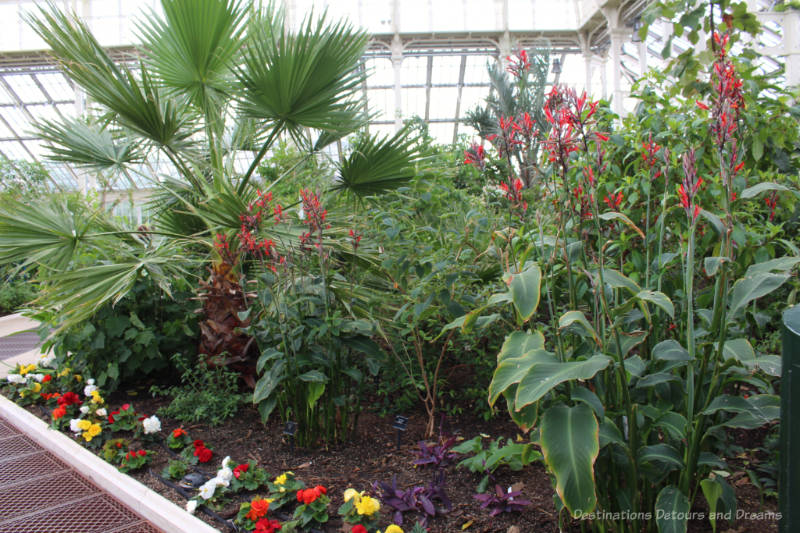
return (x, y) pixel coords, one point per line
(89, 389)
(226, 461)
(46, 359)
(38, 377)
(73, 425)
(90, 381)
(208, 488)
(191, 506)
(15, 378)
(151, 425)
(225, 475)
(102, 412)
(84, 409)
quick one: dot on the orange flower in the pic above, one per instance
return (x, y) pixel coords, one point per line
(59, 411)
(177, 433)
(258, 508)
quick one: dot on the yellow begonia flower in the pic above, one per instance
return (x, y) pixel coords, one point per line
(84, 425)
(93, 431)
(27, 368)
(349, 494)
(367, 506)
(280, 480)
(96, 398)
(37, 387)
(78, 377)
(393, 529)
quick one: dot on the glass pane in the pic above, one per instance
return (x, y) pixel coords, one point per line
(414, 71)
(443, 102)
(25, 88)
(446, 70)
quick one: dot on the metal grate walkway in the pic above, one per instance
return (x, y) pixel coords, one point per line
(39, 493)
(18, 343)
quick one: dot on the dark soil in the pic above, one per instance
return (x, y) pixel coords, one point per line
(373, 456)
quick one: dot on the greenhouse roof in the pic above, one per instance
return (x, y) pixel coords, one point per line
(427, 58)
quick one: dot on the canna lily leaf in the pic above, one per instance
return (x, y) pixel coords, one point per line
(571, 317)
(570, 443)
(542, 377)
(752, 287)
(672, 510)
(525, 289)
(670, 350)
(616, 215)
(520, 350)
(659, 299)
(764, 186)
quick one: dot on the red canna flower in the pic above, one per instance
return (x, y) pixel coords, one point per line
(701, 105)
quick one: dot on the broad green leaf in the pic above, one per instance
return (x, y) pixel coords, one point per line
(616, 280)
(714, 220)
(764, 186)
(712, 491)
(658, 298)
(526, 417)
(770, 365)
(269, 381)
(610, 433)
(740, 350)
(569, 440)
(571, 317)
(672, 510)
(314, 392)
(544, 376)
(782, 264)
(670, 350)
(749, 288)
(651, 380)
(582, 394)
(519, 352)
(711, 265)
(616, 215)
(525, 289)
(313, 376)
(757, 149)
(628, 341)
(673, 423)
(664, 454)
(759, 409)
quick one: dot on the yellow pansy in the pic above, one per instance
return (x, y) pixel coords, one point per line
(367, 506)
(96, 398)
(84, 425)
(393, 529)
(349, 494)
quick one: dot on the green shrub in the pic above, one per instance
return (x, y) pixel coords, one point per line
(131, 340)
(205, 394)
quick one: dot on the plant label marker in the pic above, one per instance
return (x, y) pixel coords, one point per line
(400, 424)
(290, 430)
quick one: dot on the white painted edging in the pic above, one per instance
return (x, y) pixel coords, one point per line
(153, 507)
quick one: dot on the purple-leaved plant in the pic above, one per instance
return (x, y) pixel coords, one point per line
(501, 501)
(414, 499)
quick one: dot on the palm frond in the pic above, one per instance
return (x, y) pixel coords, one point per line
(137, 105)
(87, 145)
(48, 234)
(378, 164)
(193, 48)
(79, 293)
(308, 79)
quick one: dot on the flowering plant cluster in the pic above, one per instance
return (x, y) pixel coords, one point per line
(313, 508)
(360, 509)
(134, 460)
(248, 476)
(197, 453)
(252, 516)
(178, 439)
(214, 487)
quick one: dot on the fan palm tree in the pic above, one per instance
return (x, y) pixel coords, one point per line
(213, 79)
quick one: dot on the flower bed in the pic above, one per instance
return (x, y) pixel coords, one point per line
(253, 479)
